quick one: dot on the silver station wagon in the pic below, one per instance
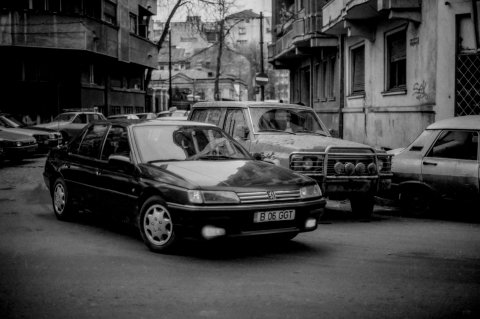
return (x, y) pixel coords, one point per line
(442, 163)
(294, 137)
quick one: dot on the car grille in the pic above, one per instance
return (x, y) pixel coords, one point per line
(258, 197)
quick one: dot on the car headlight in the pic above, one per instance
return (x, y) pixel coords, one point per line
(51, 135)
(339, 168)
(305, 163)
(212, 197)
(40, 137)
(310, 191)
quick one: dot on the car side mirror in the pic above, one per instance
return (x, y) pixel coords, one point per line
(120, 162)
(257, 156)
(333, 132)
(243, 132)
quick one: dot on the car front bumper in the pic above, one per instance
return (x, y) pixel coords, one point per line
(238, 220)
(19, 152)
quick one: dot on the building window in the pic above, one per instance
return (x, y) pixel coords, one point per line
(242, 31)
(53, 5)
(109, 12)
(396, 46)
(357, 58)
(325, 78)
(133, 23)
(92, 8)
(143, 21)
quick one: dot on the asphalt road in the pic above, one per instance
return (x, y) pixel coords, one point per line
(391, 266)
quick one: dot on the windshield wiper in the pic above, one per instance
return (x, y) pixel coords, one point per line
(214, 157)
(310, 132)
(163, 160)
(275, 130)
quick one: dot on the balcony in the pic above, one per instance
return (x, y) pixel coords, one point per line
(349, 16)
(68, 32)
(58, 32)
(143, 51)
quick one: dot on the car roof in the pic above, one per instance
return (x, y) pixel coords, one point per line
(469, 122)
(154, 122)
(249, 104)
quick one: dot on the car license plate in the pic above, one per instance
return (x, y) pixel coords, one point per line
(274, 216)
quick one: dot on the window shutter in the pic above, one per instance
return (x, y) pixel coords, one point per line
(358, 76)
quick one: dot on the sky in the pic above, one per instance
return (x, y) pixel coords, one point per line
(256, 5)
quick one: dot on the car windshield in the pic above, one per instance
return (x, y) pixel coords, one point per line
(64, 117)
(274, 119)
(10, 121)
(185, 143)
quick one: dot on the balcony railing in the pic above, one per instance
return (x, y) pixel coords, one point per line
(73, 33)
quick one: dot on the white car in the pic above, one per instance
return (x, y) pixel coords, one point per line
(442, 163)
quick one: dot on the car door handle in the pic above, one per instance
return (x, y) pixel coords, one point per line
(429, 163)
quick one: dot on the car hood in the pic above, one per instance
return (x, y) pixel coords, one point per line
(26, 131)
(10, 136)
(232, 173)
(52, 125)
(303, 142)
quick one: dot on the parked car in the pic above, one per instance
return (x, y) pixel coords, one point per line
(176, 179)
(442, 163)
(70, 124)
(292, 136)
(14, 146)
(45, 138)
(146, 116)
(123, 116)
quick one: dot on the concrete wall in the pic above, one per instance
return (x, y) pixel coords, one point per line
(394, 119)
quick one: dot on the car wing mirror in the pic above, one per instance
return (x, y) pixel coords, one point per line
(120, 162)
(257, 156)
(243, 132)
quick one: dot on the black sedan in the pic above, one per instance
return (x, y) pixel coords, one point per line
(45, 138)
(177, 179)
(15, 146)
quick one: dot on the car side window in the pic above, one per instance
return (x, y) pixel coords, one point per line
(116, 143)
(456, 144)
(92, 142)
(235, 123)
(210, 115)
(80, 119)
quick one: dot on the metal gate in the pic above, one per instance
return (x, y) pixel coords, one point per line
(467, 99)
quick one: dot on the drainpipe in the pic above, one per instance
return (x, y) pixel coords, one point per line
(341, 78)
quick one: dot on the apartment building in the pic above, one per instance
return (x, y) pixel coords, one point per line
(380, 71)
(72, 54)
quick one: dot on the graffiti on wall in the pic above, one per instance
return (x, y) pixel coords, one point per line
(420, 90)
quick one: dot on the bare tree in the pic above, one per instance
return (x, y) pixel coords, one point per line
(174, 6)
(221, 9)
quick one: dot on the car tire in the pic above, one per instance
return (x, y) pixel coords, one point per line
(415, 202)
(61, 202)
(156, 225)
(362, 205)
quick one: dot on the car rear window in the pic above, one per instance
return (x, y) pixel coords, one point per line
(210, 115)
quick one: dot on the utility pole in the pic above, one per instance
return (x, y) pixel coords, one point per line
(170, 93)
(262, 69)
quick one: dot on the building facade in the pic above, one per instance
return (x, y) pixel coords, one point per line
(193, 85)
(75, 54)
(380, 71)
